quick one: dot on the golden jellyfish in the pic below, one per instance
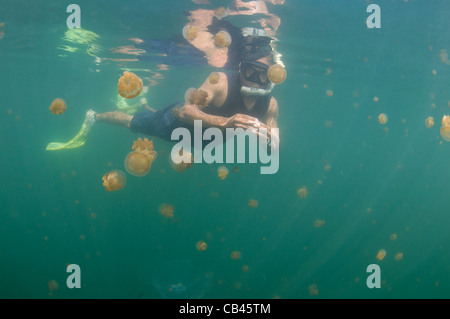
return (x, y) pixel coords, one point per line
(2, 31)
(139, 162)
(429, 122)
(214, 78)
(382, 118)
(277, 74)
(398, 256)
(313, 290)
(196, 97)
(445, 128)
(253, 203)
(114, 180)
(52, 285)
(130, 85)
(201, 245)
(319, 223)
(236, 255)
(180, 159)
(302, 192)
(166, 210)
(58, 106)
(381, 254)
(222, 39)
(190, 32)
(221, 12)
(222, 172)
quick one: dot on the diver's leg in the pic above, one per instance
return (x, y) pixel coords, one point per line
(114, 117)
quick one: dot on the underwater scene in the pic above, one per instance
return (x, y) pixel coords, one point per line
(112, 190)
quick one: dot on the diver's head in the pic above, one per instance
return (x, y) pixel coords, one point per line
(257, 73)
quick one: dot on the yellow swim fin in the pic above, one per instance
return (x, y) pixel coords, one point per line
(79, 139)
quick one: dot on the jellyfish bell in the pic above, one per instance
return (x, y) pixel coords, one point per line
(58, 106)
(180, 160)
(222, 39)
(381, 254)
(189, 95)
(139, 162)
(130, 85)
(114, 180)
(429, 122)
(277, 74)
(445, 133)
(214, 78)
(382, 118)
(201, 245)
(196, 97)
(222, 172)
(190, 32)
(166, 210)
(446, 120)
(53, 285)
(221, 12)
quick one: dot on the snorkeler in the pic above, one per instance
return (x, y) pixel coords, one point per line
(232, 100)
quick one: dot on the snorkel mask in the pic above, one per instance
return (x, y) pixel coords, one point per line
(261, 74)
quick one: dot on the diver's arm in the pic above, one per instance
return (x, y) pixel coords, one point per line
(208, 94)
(188, 113)
(214, 95)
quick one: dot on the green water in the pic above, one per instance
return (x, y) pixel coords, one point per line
(383, 180)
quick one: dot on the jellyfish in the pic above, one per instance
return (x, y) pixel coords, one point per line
(201, 246)
(221, 12)
(398, 256)
(58, 106)
(222, 172)
(196, 97)
(253, 203)
(382, 118)
(214, 78)
(114, 180)
(277, 74)
(130, 85)
(190, 32)
(166, 210)
(222, 39)
(313, 290)
(381, 254)
(319, 223)
(52, 285)
(180, 160)
(139, 162)
(2, 31)
(302, 192)
(445, 128)
(429, 122)
(236, 254)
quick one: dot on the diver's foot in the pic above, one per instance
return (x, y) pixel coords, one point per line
(90, 117)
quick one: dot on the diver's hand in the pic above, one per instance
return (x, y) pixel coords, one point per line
(247, 122)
